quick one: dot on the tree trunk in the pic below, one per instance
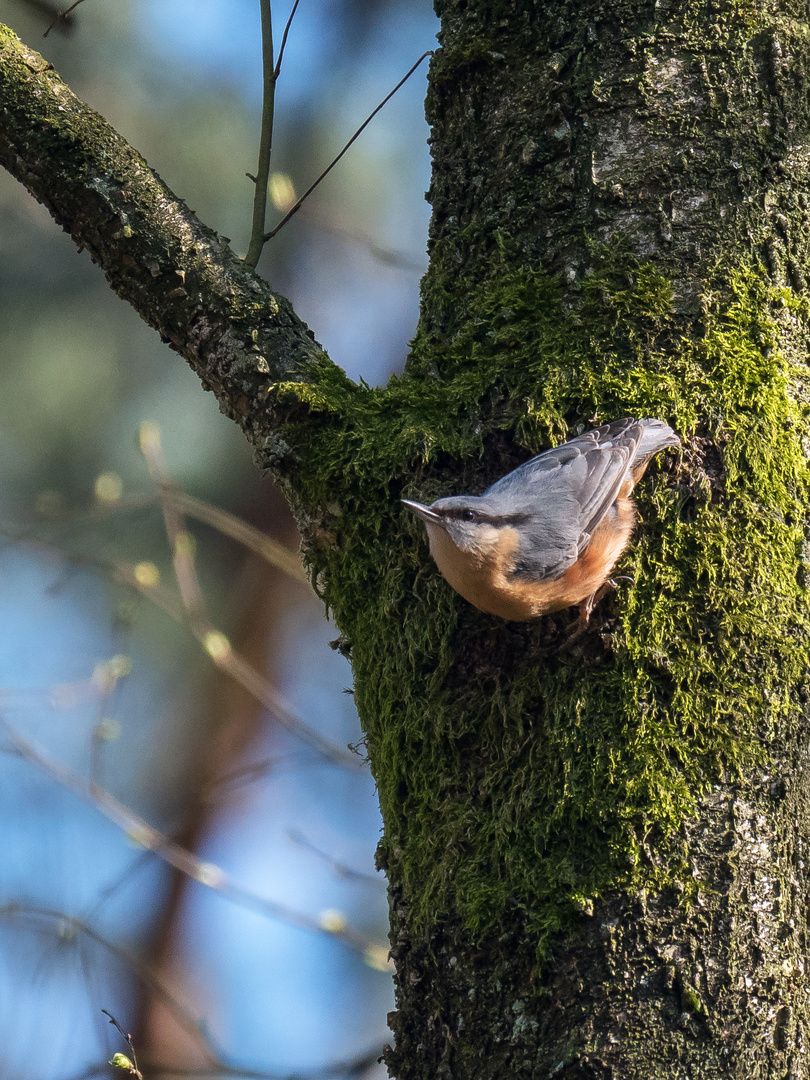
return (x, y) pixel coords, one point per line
(595, 854)
(596, 861)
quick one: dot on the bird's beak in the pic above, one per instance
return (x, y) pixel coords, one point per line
(424, 512)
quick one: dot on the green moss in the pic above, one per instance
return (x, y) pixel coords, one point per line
(518, 780)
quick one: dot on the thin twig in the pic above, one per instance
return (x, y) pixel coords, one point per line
(224, 657)
(265, 140)
(397, 259)
(142, 971)
(133, 1061)
(339, 868)
(278, 555)
(277, 70)
(51, 11)
(216, 646)
(297, 206)
(62, 15)
(207, 796)
(204, 873)
(250, 537)
(222, 786)
(215, 643)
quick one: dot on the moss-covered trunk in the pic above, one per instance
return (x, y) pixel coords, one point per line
(596, 856)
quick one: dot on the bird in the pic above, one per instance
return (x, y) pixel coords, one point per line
(547, 535)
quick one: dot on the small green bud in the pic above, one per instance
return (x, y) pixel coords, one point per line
(121, 1061)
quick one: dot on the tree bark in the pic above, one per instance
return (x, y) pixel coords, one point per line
(595, 856)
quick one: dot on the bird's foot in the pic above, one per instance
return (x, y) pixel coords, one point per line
(580, 625)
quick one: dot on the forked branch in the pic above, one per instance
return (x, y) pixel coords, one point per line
(179, 275)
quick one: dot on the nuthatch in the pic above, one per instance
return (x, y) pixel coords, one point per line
(547, 535)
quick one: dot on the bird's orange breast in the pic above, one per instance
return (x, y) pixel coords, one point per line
(486, 578)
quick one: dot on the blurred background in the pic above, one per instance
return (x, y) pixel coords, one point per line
(197, 695)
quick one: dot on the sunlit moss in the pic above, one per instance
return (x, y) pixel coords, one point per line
(515, 778)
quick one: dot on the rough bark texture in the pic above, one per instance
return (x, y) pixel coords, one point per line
(596, 857)
(653, 158)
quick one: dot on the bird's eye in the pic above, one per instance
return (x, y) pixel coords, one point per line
(469, 515)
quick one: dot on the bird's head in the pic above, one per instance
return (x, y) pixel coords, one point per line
(474, 526)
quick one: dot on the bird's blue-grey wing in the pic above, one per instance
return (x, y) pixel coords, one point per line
(565, 492)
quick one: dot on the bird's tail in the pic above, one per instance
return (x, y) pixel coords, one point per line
(655, 436)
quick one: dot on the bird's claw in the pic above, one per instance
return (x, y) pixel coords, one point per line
(614, 581)
(580, 625)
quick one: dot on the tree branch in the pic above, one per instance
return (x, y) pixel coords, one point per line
(269, 76)
(180, 276)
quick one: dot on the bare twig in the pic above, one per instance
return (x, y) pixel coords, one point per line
(277, 70)
(396, 259)
(269, 76)
(278, 555)
(130, 1064)
(254, 539)
(246, 774)
(348, 873)
(213, 641)
(254, 325)
(51, 11)
(217, 647)
(61, 15)
(222, 786)
(208, 874)
(142, 971)
(131, 823)
(297, 206)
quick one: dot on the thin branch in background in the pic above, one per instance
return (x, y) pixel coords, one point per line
(142, 971)
(215, 643)
(121, 1061)
(145, 578)
(388, 256)
(94, 987)
(283, 558)
(270, 74)
(66, 24)
(181, 543)
(219, 788)
(204, 873)
(127, 820)
(337, 867)
(354, 1069)
(277, 70)
(262, 178)
(297, 206)
(278, 555)
(107, 680)
(61, 16)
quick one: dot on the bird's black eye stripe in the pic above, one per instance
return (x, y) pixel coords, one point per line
(461, 513)
(465, 513)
